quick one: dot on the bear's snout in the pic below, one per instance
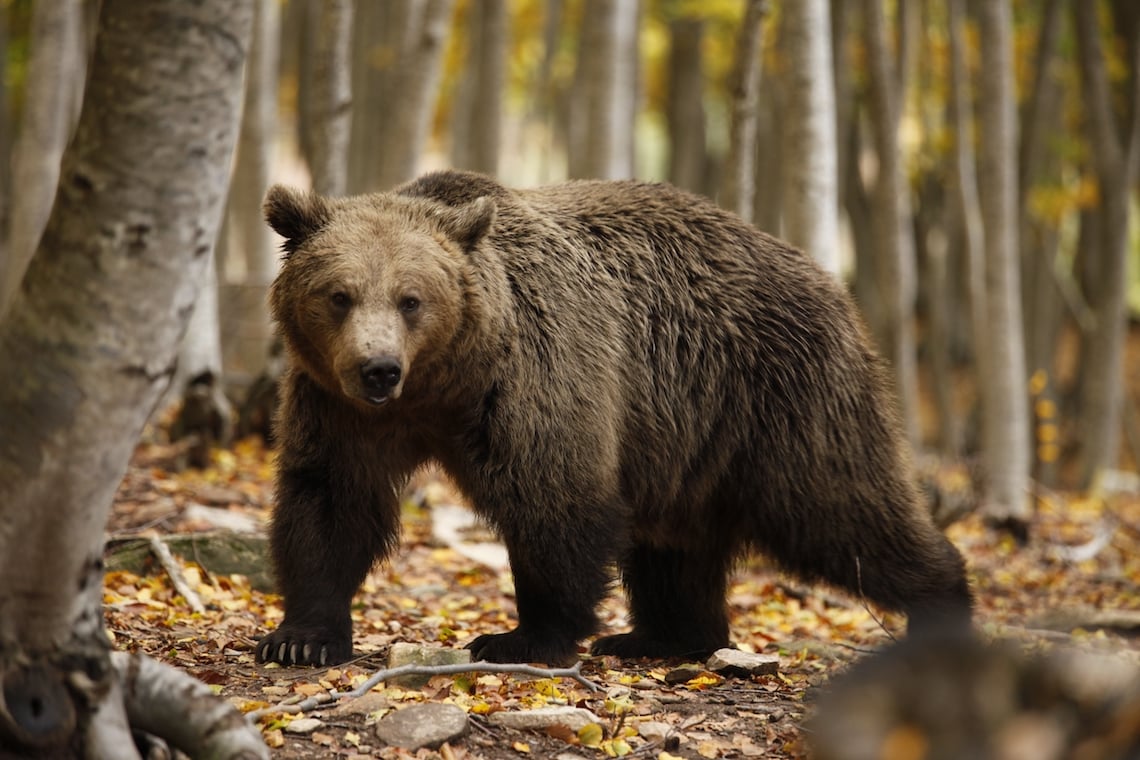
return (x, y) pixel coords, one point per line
(379, 376)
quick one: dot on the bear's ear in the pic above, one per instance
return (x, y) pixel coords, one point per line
(467, 224)
(295, 215)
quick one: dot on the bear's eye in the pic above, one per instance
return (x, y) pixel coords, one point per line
(340, 299)
(409, 304)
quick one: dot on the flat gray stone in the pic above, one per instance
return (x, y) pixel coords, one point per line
(427, 725)
(303, 726)
(733, 662)
(403, 653)
(542, 718)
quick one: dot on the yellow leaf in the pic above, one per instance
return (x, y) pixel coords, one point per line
(590, 735)
(274, 739)
(521, 747)
(709, 750)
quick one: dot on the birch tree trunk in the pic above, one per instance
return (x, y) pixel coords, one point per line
(811, 213)
(606, 91)
(894, 239)
(739, 187)
(96, 326)
(1005, 430)
(55, 77)
(330, 97)
(1115, 144)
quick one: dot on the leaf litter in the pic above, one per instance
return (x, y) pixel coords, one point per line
(1083, 562)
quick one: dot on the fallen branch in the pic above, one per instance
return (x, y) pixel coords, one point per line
(174, 570)
(320, 700)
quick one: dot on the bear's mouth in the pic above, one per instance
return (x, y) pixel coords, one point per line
(377, 399)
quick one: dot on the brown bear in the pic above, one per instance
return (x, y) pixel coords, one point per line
(614, 373)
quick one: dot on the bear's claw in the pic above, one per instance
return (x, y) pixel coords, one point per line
(295, 645)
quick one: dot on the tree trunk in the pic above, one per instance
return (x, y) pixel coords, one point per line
(54, 80)
(894, 237)
(1005, 432)
(96, 326)
(330, 96)
(811, 214)
(1115, 144)
(685, 106)
(967, 207)
(1040, 237)
(606, 91)
(245, 281)
(739, 185)
(398, 52)
(477, 134)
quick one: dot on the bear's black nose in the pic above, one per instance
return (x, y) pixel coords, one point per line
(380, 373)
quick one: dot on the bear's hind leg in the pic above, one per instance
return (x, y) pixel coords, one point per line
(677, 604)
(890, 554)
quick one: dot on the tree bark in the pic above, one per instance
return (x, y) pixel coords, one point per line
(1115, 144)
(477, 134)
(739, 186)
(398, 51)
(684, 106)
(96, 324)
(330, 96)
(811, 214)
(251, 252)
(1039, 238)
(1005, 431)
(54, 81)
(891, 212)
(606, 91)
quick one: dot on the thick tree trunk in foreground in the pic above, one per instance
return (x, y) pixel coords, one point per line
(96, 326)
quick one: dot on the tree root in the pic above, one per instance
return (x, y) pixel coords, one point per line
(168, 703)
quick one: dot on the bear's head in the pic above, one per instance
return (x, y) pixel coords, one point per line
(372, 288)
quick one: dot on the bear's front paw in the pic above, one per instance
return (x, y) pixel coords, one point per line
(634, 645)
(304, 645)
(519, 647)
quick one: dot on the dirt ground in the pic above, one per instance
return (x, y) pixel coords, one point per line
(1083, 561)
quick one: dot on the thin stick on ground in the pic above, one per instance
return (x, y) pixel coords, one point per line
(174, 570)
(322, 700)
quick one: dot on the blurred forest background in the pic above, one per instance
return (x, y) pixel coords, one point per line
(968, 167)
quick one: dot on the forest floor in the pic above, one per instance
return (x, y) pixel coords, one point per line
(1078, 580)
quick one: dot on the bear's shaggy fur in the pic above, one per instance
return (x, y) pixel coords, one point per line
(613, 373)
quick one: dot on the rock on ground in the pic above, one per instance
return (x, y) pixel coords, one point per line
(544, 717)
(403, 653)
(733, 662)
(427, 725)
